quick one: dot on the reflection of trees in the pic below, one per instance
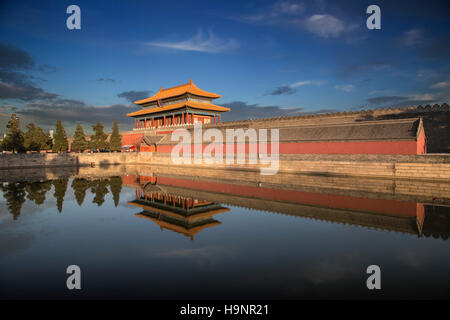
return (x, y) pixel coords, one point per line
(115, 185)
(79, 186)
(99, 188)
(37, 191)
(14, 194)
(60, 191)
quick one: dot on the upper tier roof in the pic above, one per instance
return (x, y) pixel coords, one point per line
(179, 105)
(189, 87)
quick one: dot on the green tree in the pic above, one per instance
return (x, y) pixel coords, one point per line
(99, 188)
(115, 185)
(14, 138)
(36, 139)
(79, 143)
(37, 191)
(14, 194)
(61, 144)
(115, 141)
(60, 191)
(79, 186)
(98, 139)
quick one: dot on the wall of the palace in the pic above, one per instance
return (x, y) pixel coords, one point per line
(340, 147)
(421, 142)
(421, 167)
(42, 160)
(386, 166)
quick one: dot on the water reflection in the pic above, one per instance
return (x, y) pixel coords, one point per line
(182, 214)
(302, 236)
(15, 193)
(167, 201)
(188, 206)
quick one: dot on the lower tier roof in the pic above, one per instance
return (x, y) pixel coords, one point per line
(175, 106)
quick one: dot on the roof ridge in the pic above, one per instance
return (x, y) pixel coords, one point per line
(178, 86)
(419, 108)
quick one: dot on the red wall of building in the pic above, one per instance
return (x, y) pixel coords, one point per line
(421, 143)
(350, 147)
(131, 139)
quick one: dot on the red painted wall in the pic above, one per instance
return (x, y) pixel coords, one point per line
(421, 143)
(340, 147)
(131, 139)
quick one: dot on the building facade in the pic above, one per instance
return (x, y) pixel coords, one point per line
(182, 105)
(185, 104)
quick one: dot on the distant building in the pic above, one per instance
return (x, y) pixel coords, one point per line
(181, 105)
(169, 108)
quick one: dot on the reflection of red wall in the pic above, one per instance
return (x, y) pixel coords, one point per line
(340, 147)
(420, 213)
(151, 179)
(130, 180)
(392, 207)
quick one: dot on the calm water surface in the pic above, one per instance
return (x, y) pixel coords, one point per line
(137, 236)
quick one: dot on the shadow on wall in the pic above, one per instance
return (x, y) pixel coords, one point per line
(436, 123)
(437, 128)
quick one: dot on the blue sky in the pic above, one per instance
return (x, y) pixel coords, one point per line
(266, 58)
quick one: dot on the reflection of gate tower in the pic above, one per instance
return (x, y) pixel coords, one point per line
(181, 214)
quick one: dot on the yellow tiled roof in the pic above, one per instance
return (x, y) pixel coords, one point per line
(189, 87)
(174, 106)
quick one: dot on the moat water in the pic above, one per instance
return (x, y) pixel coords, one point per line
(166, 237)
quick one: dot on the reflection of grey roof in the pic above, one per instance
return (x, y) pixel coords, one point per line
(153, 188)
(379, 130)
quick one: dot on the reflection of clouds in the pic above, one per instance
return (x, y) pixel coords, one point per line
(410, 259)
(196, 252)
(107, 219)
(332, 270)
(201, 256)
(127, 194)
(10, 244)
(4, 213)
(49, 230)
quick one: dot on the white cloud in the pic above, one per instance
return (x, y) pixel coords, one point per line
(295, 14)
(201, 43)
(440, 85)
(276, 13)
(307, 82)
(384, 91)
(345, 87)
(289, 7)
(422, 97)
(412, 37)
(325, 25)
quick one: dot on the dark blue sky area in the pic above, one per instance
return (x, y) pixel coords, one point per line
(265, 58)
